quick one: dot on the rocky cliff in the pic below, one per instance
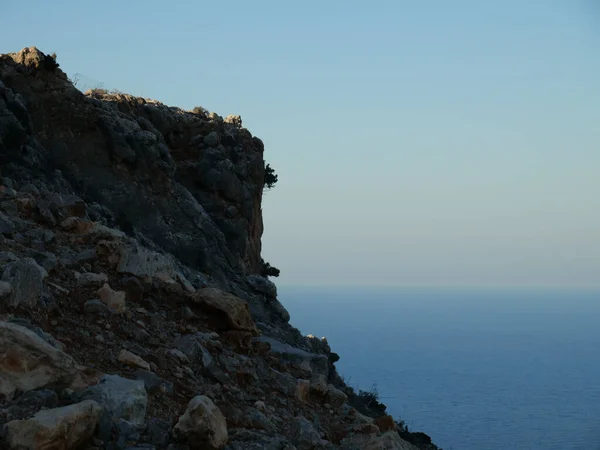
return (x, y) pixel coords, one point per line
(132, 309)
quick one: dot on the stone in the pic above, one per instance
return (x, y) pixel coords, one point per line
(302, 390)
(6, 225)
(90, 279)
(27, 280)
(27, 362)
(263, 285)
(95, 306)
(60, 428)
(120, 397)
(190, 345)
(335, 397)
(5, 290)
(300, 359)
(304, 436)
(115, 300)
(202, 426)
(130, 359)
(234, 311)
(158, 432)
(212, 139)
(177, 354)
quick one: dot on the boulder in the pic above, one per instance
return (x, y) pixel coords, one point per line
(300, 360)
(90, 279)
(115, 300)
(233, 311)
(202, 426)
(27, 280)
(120, 397)
(28, 362)
(55, 429)
(304, 435)
(133, 360)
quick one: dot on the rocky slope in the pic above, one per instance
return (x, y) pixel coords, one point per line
(132, 310)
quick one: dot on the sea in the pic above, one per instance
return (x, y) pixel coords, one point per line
(474, 368)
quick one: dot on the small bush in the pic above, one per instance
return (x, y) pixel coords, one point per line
(49, 62)
(199, 110)
(268, 270)
(270, 177)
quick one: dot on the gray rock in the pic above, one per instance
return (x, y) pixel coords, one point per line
(158, 432)
(121, 398)
(212, 139)
(90, 279)
(6, 225)
(304, 436)
(26, 278)
(202, 426)
(5, 290)
(263, 285)
(95, 306)
(298, 358)
(193, 349)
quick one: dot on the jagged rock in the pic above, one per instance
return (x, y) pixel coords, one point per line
(115, 300)
(193, 349)
(90, 279)
(304, 436)
(27, 362)
(120, 397)
(6, 225)
(301, 360)
(233, 310)
(335, 397)
(202, 426)
(60, 428)
(126, 357)
(263, 285)
(26, 278)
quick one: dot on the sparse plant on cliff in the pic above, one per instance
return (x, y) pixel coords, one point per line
(200, 111)
(49, 62)
(268, 270)
(270, 177)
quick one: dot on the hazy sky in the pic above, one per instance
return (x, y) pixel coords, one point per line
(416, 142)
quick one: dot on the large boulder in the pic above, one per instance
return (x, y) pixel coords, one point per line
(202, 426)
(28, 362)
(233, 311)
(52, 429)
(120, 397)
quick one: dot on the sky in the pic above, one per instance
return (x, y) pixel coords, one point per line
(428, 143)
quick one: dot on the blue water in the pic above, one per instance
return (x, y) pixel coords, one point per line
(475, 369)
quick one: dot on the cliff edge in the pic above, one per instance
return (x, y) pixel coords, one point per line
(133, 313)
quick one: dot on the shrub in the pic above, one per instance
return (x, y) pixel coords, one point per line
(270, 177)
(268, 270)
(200, 111)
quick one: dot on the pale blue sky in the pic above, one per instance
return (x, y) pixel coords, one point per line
(424, 143)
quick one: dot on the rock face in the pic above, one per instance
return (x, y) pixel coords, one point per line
(61, 428)
(130, 283)
(202, 426)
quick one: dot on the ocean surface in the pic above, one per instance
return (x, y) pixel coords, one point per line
(476, 369)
